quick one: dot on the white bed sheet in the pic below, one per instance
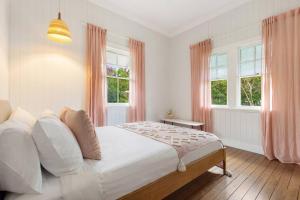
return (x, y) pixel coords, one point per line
(51, 190)
(129, 161)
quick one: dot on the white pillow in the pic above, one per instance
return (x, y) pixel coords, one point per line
(20, 169)
(58, 149)
(48, 113)
(22, 116)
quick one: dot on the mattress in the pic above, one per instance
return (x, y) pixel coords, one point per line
(129, 161)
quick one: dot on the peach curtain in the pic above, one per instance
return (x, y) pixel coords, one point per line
(96, 90)
(281, 87)
(136, 110)
(200, 75)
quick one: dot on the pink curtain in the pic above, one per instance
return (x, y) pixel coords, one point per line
(281, 87)
(96, 90)
(201, 97)
(136, 110)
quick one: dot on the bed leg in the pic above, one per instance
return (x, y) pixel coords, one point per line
(224, 167)
(225, 172)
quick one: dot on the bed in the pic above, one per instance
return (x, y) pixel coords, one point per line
(132, 167)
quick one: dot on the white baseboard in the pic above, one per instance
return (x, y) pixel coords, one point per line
(244, 146)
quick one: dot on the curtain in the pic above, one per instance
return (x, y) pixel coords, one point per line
(136, 110)
(96, 90)
(280, 113)
(200, 75)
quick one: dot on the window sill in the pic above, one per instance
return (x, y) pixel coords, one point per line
(248, 108)
(219, 107)
(254, 109)
(118, 105)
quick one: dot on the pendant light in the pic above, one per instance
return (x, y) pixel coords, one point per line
(58, 30)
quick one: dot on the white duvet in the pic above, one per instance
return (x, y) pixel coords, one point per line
(129, 161)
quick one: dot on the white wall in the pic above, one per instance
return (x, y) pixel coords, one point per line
(237, 127)
(44, 74)
(4, 48)
(48, 75)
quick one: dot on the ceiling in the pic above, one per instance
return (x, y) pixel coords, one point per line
(169, 17)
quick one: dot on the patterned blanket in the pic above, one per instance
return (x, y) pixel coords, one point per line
(183, 140)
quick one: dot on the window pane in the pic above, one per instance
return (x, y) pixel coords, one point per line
(123, 72)
(258, 52)
(222, 73)
(123, 60)
(251, 91)
(258, 67)
(124, 91)
(219, 92)
(247, 69)
(213, 73)
(213, 61)
(218, 68)
(112, 90)
(222, 60)
(111, 58)
(247, 54)
(111, 70)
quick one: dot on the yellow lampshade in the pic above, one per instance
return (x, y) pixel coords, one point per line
(58, 31)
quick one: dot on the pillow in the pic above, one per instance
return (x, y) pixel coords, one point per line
(22, 116)
(20, 169)
(47, 113)
(63, 113)
(14, 124)
(58, 150)
(84, 131)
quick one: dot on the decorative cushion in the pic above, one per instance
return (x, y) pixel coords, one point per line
(58, 149)
(84, 131)
(20, 169)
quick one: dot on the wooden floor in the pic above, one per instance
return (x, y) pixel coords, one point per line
(253, 177)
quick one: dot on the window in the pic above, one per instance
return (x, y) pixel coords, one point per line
(250, 75)
(218, 74)
(118, 73)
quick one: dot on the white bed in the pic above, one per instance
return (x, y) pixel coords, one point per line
(129, 161)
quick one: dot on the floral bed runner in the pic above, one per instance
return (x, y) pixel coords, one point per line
(183, 140)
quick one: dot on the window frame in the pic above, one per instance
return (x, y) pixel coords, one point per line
(124, 52)
(219, 52)
(233, 72)
(250, 43)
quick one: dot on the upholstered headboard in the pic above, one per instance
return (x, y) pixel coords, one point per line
(5, 110)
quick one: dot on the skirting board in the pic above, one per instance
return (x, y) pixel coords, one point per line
(244, 146)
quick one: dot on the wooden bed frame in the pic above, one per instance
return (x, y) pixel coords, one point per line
(167, 184)
(175, 180)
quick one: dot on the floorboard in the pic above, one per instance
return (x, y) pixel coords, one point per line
(253, 178)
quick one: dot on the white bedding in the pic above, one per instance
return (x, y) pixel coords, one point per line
(129, 161)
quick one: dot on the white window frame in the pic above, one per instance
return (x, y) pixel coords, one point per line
(233, 73)
(238, 82)
(220, 51)
(121, 51)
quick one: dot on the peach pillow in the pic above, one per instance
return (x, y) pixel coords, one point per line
(84, 131)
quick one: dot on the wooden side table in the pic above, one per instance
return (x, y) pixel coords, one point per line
(180, 122)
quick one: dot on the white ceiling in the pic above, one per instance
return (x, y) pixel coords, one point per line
(169, 17)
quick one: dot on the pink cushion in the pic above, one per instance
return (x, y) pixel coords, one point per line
(84, 131)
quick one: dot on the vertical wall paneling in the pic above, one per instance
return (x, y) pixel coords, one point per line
(238, 128)
(44, 74)
(116, 114)
(4, 49)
